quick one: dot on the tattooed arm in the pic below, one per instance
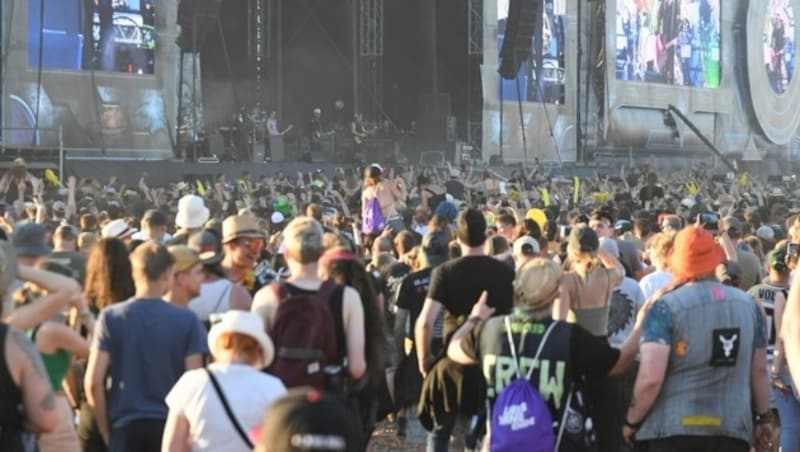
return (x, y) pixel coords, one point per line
(28, 372)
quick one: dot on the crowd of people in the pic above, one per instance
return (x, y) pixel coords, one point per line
(522, 311)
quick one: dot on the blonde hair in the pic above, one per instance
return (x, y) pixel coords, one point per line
(303, 240)
(660, 247)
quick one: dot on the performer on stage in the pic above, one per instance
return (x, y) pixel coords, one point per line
(273, 131)
(359, 132)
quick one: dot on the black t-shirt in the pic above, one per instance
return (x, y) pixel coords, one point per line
(411, 296)
(650, 192)
(458, 284)
(390, 282)
(455, 188)
(586, 356)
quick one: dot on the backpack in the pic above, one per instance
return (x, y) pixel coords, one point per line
(372, 219)
(305, 334)
(521, 419)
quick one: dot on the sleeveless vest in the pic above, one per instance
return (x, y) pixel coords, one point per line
(706, 390)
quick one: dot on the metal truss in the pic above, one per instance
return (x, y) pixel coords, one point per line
(371, 28)
(259, 43)
(475, 27)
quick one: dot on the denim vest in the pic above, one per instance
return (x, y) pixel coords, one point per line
(706, 389)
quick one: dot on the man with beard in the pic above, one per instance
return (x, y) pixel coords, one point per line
(189, 276)
(243, 241)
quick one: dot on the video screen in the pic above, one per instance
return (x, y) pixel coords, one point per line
(552, 88)
(674, 42)
(104, 35)
(779, 44)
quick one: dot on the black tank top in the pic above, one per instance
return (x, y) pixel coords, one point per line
(10, 402)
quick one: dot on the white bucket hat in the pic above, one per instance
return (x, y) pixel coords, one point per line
(246, 323)
(117, 229)
(192, 212)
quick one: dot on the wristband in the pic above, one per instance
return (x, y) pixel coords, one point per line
(632, 425)
(475, 320)
(764, 418)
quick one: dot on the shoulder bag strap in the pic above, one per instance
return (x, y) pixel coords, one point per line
(222, 296)
(564, 417)
(541, 346)
(507, 322)
(610, 289)
(228, 410)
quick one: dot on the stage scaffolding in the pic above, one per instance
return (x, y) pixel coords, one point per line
(259, 45)
(370, 66)
(475, 58)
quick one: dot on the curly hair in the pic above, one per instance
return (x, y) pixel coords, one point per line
(108, 274)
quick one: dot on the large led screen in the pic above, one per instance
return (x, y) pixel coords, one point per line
(104, 35)
(674, 42)
(552, 88)
(779, 44)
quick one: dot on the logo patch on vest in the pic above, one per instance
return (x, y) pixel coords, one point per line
(724, 346)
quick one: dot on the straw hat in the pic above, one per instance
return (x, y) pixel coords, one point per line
(537, 283)
(238, 226)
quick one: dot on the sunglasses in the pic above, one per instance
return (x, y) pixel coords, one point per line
(252, 244)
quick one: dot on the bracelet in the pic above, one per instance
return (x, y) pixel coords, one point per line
(475, 320)
(632, 425)
(764, 418)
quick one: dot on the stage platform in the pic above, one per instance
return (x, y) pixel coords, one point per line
(164, 172)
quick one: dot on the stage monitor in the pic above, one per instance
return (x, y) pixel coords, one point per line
(670, 42)
(552, 88)
(103, 35)
(779, 44)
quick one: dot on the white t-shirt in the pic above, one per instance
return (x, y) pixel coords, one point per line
(626, 300)
(655, 281)
(249, 393)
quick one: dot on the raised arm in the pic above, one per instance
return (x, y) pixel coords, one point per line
(28, 372)
(61, 291)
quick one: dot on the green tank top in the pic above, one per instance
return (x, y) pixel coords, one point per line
(55, 364)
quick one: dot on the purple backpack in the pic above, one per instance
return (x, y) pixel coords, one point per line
(372, 219)
(520, 418)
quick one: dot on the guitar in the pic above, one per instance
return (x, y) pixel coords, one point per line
(359, 137)
(317, 135)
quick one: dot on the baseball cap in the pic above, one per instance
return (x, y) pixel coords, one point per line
(30, 239)
(185, 258)
(207, 245)
(526, 246)
(766, 233)
(731, 224)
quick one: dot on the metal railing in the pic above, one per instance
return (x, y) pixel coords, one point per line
(33, 143)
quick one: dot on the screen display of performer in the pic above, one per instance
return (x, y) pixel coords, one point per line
(674, 42)
(779, 44)
(119, 34)
(553, 76)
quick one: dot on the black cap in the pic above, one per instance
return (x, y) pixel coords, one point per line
(208, 246)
